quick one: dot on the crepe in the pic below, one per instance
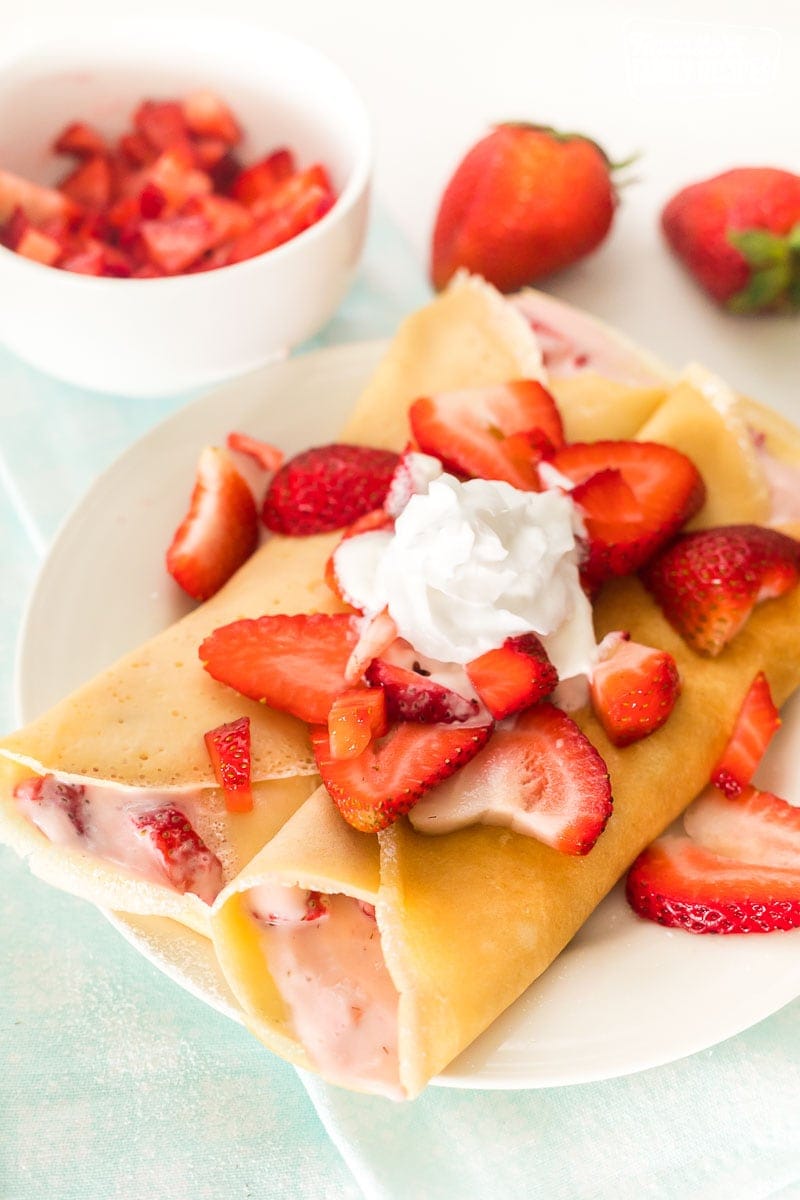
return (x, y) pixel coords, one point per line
(468, 920)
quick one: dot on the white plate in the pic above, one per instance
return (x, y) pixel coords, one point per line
(623, 996)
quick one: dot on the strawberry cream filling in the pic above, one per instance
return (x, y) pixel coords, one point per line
(146, 832)
(324, 954)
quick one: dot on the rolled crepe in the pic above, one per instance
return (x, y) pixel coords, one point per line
(132, 737)
(466, 921)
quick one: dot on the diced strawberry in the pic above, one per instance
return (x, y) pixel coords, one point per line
(80, 140)
(174, 243)
(540, 776)
(175, 174)
(385, 780)
(356, 717)
(219, 531)
(514, 676)
(754, 827)
(261, 178)
(161, 123)
(127, 210)
(184, 857)
(36, 202)
(468, 430)
(679, 883)
(229, 750)
(634, 691)
(222, 172)
(47, 792)
(707, 583)
(97, 258)
(377, 519)
(634, 496)
(293, 207)
(327, 488)
(90, 184)
(268, 457)
(151, 201)
(209, 152)
(38, 247)
(136, 150)
(292, 663)
(755, 726)
(226, 218)
(207, 116)
(412, 695)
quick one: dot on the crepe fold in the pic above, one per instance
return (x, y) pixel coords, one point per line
(470, 919)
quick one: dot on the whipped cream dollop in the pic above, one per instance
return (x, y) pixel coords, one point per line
(471, 564)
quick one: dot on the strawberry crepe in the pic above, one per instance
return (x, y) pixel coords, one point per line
(375, 961)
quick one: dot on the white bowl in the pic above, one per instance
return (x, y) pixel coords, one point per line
(145, 337)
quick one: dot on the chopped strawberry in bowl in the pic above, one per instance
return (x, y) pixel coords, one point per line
(178, 203)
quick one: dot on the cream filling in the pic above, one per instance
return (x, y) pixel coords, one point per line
(118, 826)
(333, 979)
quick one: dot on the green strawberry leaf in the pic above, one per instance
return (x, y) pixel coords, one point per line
(767, 289)
(759, 247)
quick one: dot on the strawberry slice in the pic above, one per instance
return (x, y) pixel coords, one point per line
(81, 141)
(467, 430)
(634, 691)
(229, 750)
(679, 883)
(90, 184)
(755, 726)
(293, 663)
(412, 695)
(356, 717)
(513, 677)
(540, 776)
(207, 116)
(268, 457)
(184, 857)
(707, 583)
(219, 531)
(756, 827)
(633, 496)
(327, 487)
(382, 783)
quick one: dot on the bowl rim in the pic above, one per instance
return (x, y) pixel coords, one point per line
(356, 184)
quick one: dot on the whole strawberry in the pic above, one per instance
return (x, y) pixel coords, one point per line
(524, 202)
(739, 235)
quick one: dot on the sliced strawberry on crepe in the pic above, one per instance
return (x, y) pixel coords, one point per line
(633, 691)
(755, 726)
(413, 695)
(356, 717)
(514, 676)
(468, 429)
(56, 806)
(384, 782)
(412, 476)
(634, 496)
(182, 854)
(90, 184)
(708, 583)
(540, 776)
(268, 457)
(208, 116)
(680, 883)
(229, 750)
(327, 487)
(755, 827)
(81, 141)
(219, 531)
(292, 663)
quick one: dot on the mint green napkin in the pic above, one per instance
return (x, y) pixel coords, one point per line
(117, 1085)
